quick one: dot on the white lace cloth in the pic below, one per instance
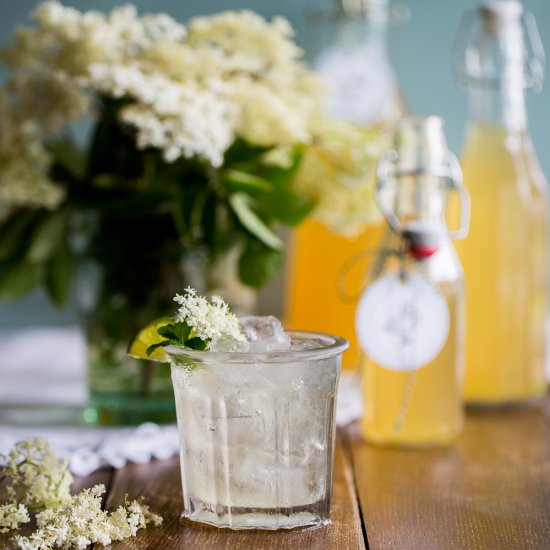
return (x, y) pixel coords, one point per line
(89, 449)
(28, 376)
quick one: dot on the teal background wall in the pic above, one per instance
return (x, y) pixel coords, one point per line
(421, 52)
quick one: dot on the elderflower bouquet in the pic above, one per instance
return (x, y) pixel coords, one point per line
(182, 120)
(132, 145)
(201, 128)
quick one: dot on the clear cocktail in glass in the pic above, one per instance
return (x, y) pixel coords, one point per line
(257, 433)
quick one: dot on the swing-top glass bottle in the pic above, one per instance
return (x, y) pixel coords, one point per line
(410, 319)
(505, 258)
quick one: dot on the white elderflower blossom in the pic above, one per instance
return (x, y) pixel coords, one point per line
(191, 90)
(24, 162)
(60, 101)
(135, 34)
(22, 185)
(35, 475)
(81, 522)
(337, 174)
(250, 43)
(12, 516)
(95, 37)
(269, 117)
(36, 478)
(54, 16)
(188, 91)
(202, 126)
(123, 79)
(162, 27)
(274, 92)
(126, 520)
(74, 40)
(183, 63)
(181, 119)
(208, 320)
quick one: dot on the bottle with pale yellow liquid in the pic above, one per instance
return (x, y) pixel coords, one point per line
(410, 319)
(505, 258)
(363, 90)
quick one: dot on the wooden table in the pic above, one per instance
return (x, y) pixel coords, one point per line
(491, 490)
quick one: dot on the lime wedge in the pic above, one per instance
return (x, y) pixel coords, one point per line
(148, 336)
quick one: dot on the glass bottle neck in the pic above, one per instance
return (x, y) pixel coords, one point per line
(420, 191)
(354, 31)
(355, 60)
(504, 106)
(498, 63)
(422, 203)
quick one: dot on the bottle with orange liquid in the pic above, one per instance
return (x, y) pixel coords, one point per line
(505, 258)
(410, 319)
(363, 90)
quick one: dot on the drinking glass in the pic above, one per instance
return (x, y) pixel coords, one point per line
(257, 433)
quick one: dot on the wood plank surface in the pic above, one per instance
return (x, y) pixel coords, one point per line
(159, 483)
(491, 490)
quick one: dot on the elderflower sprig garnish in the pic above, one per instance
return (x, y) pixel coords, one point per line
(37, 481)
(198, 322)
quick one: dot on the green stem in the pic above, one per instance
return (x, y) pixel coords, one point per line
(177, 214)
(149, 170)
(213, 176)
(34, 507)
(197, 209)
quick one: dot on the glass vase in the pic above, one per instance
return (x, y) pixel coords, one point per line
(132, 268)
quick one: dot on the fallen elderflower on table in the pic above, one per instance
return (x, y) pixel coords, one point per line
(37, 482)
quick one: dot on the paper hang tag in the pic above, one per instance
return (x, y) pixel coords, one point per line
(402, 324)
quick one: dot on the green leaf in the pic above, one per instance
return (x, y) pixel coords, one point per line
(218, 224)
(48, 236)
(59, 275)
(270, 187)
(15, 233)
(177, 334)
(243, 151)
(19, 279)
(280, 176)
(240, 203)
(105, 181)
(197, 343)
(258, 264)
(237, 180)
(167, 331)
(162, 344)
(286, 206)
(175, 331)
(183, 330)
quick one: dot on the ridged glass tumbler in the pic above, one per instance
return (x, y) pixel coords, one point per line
(257, 433)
